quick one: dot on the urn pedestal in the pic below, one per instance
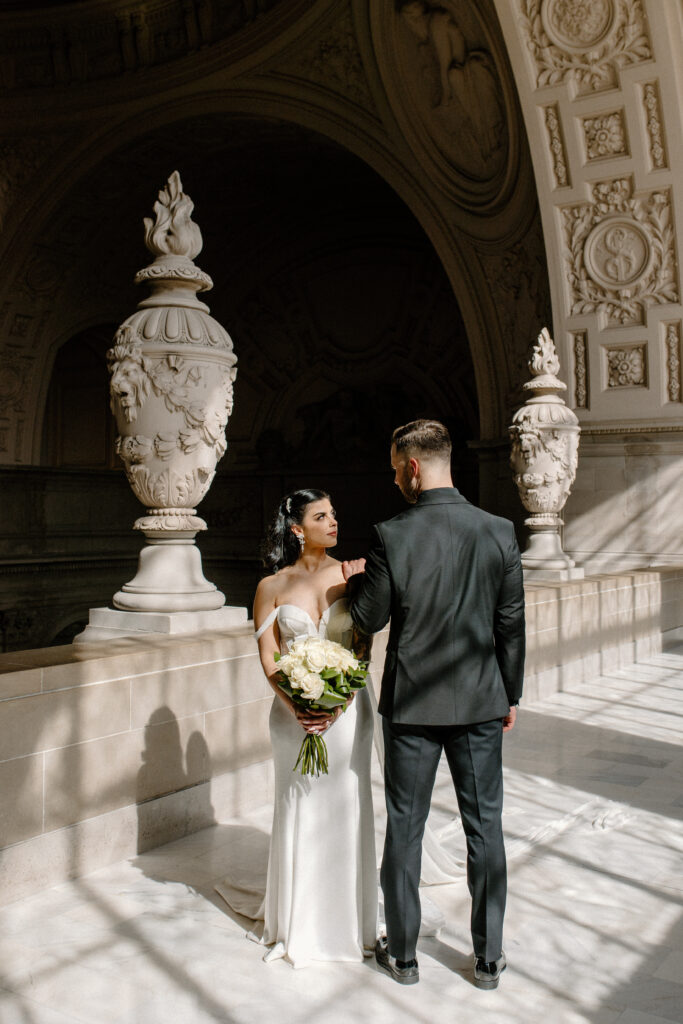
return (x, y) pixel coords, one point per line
(172, 372)
(544, 456)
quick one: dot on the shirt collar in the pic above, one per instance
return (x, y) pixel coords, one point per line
(440, 496)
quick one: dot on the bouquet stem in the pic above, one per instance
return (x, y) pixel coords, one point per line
(312, 755)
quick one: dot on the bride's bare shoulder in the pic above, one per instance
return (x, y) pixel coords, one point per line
(269, 586)
(334, 568)
(266, 598)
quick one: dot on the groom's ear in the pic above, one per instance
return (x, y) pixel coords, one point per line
(414, 466)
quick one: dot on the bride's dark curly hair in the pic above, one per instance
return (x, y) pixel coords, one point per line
(280, 547)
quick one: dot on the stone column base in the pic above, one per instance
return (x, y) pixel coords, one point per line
(109, 623)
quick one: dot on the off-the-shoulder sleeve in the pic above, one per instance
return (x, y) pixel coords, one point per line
(266, 622)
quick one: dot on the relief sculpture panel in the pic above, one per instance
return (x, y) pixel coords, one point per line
(450, 89)
(584, 42)
(459, 84)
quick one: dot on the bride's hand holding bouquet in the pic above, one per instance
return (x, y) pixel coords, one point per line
(318, 676)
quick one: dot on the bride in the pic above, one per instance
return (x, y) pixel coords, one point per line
(321, 890)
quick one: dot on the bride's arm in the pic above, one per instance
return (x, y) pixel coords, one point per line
(269, 640)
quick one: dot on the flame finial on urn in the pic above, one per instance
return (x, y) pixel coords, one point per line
(173, 232)
(544, 362)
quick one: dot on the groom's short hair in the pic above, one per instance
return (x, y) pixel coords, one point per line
(422, 438)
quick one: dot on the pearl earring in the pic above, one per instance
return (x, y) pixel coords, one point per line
(300, 538)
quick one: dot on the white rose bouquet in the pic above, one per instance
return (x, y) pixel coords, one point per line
(319, 675)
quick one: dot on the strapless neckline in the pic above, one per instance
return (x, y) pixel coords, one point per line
(323, 618)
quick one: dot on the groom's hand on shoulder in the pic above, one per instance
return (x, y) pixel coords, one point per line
(353, 568)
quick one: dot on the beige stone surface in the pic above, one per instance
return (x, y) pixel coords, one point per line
(21, 799)
(161, 751)
(72, 852)
(237, 736)
(208, 686)
(87, 779)
(79, 664)
(62, 717)
(593, 832)
(17, 681)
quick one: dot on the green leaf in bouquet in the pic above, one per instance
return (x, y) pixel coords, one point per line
(277, 656)
(284, 685)
(330, 700)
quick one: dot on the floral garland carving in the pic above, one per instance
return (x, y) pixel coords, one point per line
(552, 122)
(653, 117)
(646, 217)
(580, 370)
(673, 361)
(593, 66)
(174, 379)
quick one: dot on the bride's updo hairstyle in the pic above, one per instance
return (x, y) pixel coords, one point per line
(281, 548)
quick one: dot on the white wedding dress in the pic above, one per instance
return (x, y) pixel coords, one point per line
(321, 893)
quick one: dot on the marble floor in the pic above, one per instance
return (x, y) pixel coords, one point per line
(594, 930)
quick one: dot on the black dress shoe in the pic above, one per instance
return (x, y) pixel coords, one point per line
(405, 972)
(487, 975)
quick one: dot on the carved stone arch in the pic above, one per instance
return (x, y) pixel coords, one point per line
(358, 135)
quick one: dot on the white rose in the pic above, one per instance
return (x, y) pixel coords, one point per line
(312, 686)
(297, 675)
(345, 662)
(296, 647)
(330, 648)
(315, 658)
(285, 664)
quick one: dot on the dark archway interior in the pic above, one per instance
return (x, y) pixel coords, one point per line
(343, 320)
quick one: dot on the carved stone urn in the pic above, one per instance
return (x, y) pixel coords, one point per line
(545, 445)
(172, 370)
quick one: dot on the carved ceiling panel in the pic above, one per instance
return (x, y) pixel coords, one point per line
(584, 42)
(599, 83)
(620, 252)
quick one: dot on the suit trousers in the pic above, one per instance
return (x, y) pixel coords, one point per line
(412, 754)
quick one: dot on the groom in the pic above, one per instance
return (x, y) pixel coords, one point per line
(449, 577)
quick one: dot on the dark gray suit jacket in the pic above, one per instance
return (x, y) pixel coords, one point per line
(449, 577)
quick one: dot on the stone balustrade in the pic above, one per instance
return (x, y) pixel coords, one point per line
(109, 751)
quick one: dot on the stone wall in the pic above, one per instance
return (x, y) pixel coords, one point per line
(105, 752)
(109, 751)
